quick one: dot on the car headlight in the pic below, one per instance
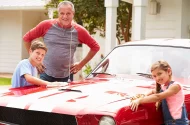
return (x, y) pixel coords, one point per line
(106, 120)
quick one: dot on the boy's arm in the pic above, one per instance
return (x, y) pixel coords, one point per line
(37, 81)
(34, 80)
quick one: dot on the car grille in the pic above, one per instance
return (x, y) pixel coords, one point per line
(28, 117)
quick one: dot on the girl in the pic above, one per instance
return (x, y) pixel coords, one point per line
(170, 95)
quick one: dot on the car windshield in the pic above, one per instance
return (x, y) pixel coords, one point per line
(133, 60)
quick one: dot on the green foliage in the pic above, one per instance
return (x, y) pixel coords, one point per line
(91, 13)
(5, 81)
(87, 69)
(124, 15)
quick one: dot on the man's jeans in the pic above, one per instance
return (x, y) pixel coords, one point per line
(45, 77)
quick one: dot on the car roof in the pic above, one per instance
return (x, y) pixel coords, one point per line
(162, 42)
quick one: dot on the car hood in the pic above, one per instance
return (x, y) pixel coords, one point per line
(92, 96)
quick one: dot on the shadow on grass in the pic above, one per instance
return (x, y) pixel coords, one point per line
(5, 81)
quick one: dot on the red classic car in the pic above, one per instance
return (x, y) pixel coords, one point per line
(103, 97)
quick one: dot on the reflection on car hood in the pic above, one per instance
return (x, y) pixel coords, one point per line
(97, 95)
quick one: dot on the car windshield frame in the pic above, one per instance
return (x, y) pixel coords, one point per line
(144, 59)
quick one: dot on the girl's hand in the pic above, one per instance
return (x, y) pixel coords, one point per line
(137, 96)
(140, 95)
(134, 104)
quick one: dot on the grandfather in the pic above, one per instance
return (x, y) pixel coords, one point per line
(61, 36)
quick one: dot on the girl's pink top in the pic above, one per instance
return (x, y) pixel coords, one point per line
(175, 102)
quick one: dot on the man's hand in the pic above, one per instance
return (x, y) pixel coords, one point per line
(76, 67)
(40, 67)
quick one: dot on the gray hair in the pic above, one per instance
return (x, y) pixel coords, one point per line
(66, 3)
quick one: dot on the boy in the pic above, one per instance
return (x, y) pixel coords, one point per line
(25, 73)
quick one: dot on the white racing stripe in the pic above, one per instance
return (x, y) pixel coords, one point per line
(97, 95)
(113, 107)
(47, 104)
(4, 91)
(22, 101)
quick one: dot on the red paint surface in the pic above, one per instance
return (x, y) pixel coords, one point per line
(91, 114)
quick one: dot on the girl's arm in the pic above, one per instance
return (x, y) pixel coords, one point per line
(173, 89)
(153, 91)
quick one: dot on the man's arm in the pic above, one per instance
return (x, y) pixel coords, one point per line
(88, 57)
(78, 66)
(27, 45)
(85, 38)
(37, 32)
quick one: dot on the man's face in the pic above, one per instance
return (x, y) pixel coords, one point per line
(37, 56)
(65, 15)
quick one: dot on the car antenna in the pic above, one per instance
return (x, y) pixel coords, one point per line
(69, 79)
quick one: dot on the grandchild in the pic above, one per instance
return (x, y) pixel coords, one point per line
(25, 73)
(171, 95)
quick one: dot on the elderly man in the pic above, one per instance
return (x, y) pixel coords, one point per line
(61, 37)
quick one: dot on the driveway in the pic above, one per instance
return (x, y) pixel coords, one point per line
(6, 75)
(5, 87)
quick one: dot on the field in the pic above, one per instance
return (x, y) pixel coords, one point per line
(5, 81)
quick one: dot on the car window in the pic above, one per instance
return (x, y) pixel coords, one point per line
(138, 59)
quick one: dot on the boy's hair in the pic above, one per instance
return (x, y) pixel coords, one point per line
(37, 44)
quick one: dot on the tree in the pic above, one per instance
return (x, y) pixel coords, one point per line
(91, 14)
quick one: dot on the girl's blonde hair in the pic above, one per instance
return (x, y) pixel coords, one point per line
(163, 65)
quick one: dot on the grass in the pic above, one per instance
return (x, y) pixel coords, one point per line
(5, 81)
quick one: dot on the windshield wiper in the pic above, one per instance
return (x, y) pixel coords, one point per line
(68, 90)
(145, 75)
(96, 73)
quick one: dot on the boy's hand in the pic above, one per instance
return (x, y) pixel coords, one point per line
(61, 83)
(134, 104)
(57, 84)
(40, 67)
